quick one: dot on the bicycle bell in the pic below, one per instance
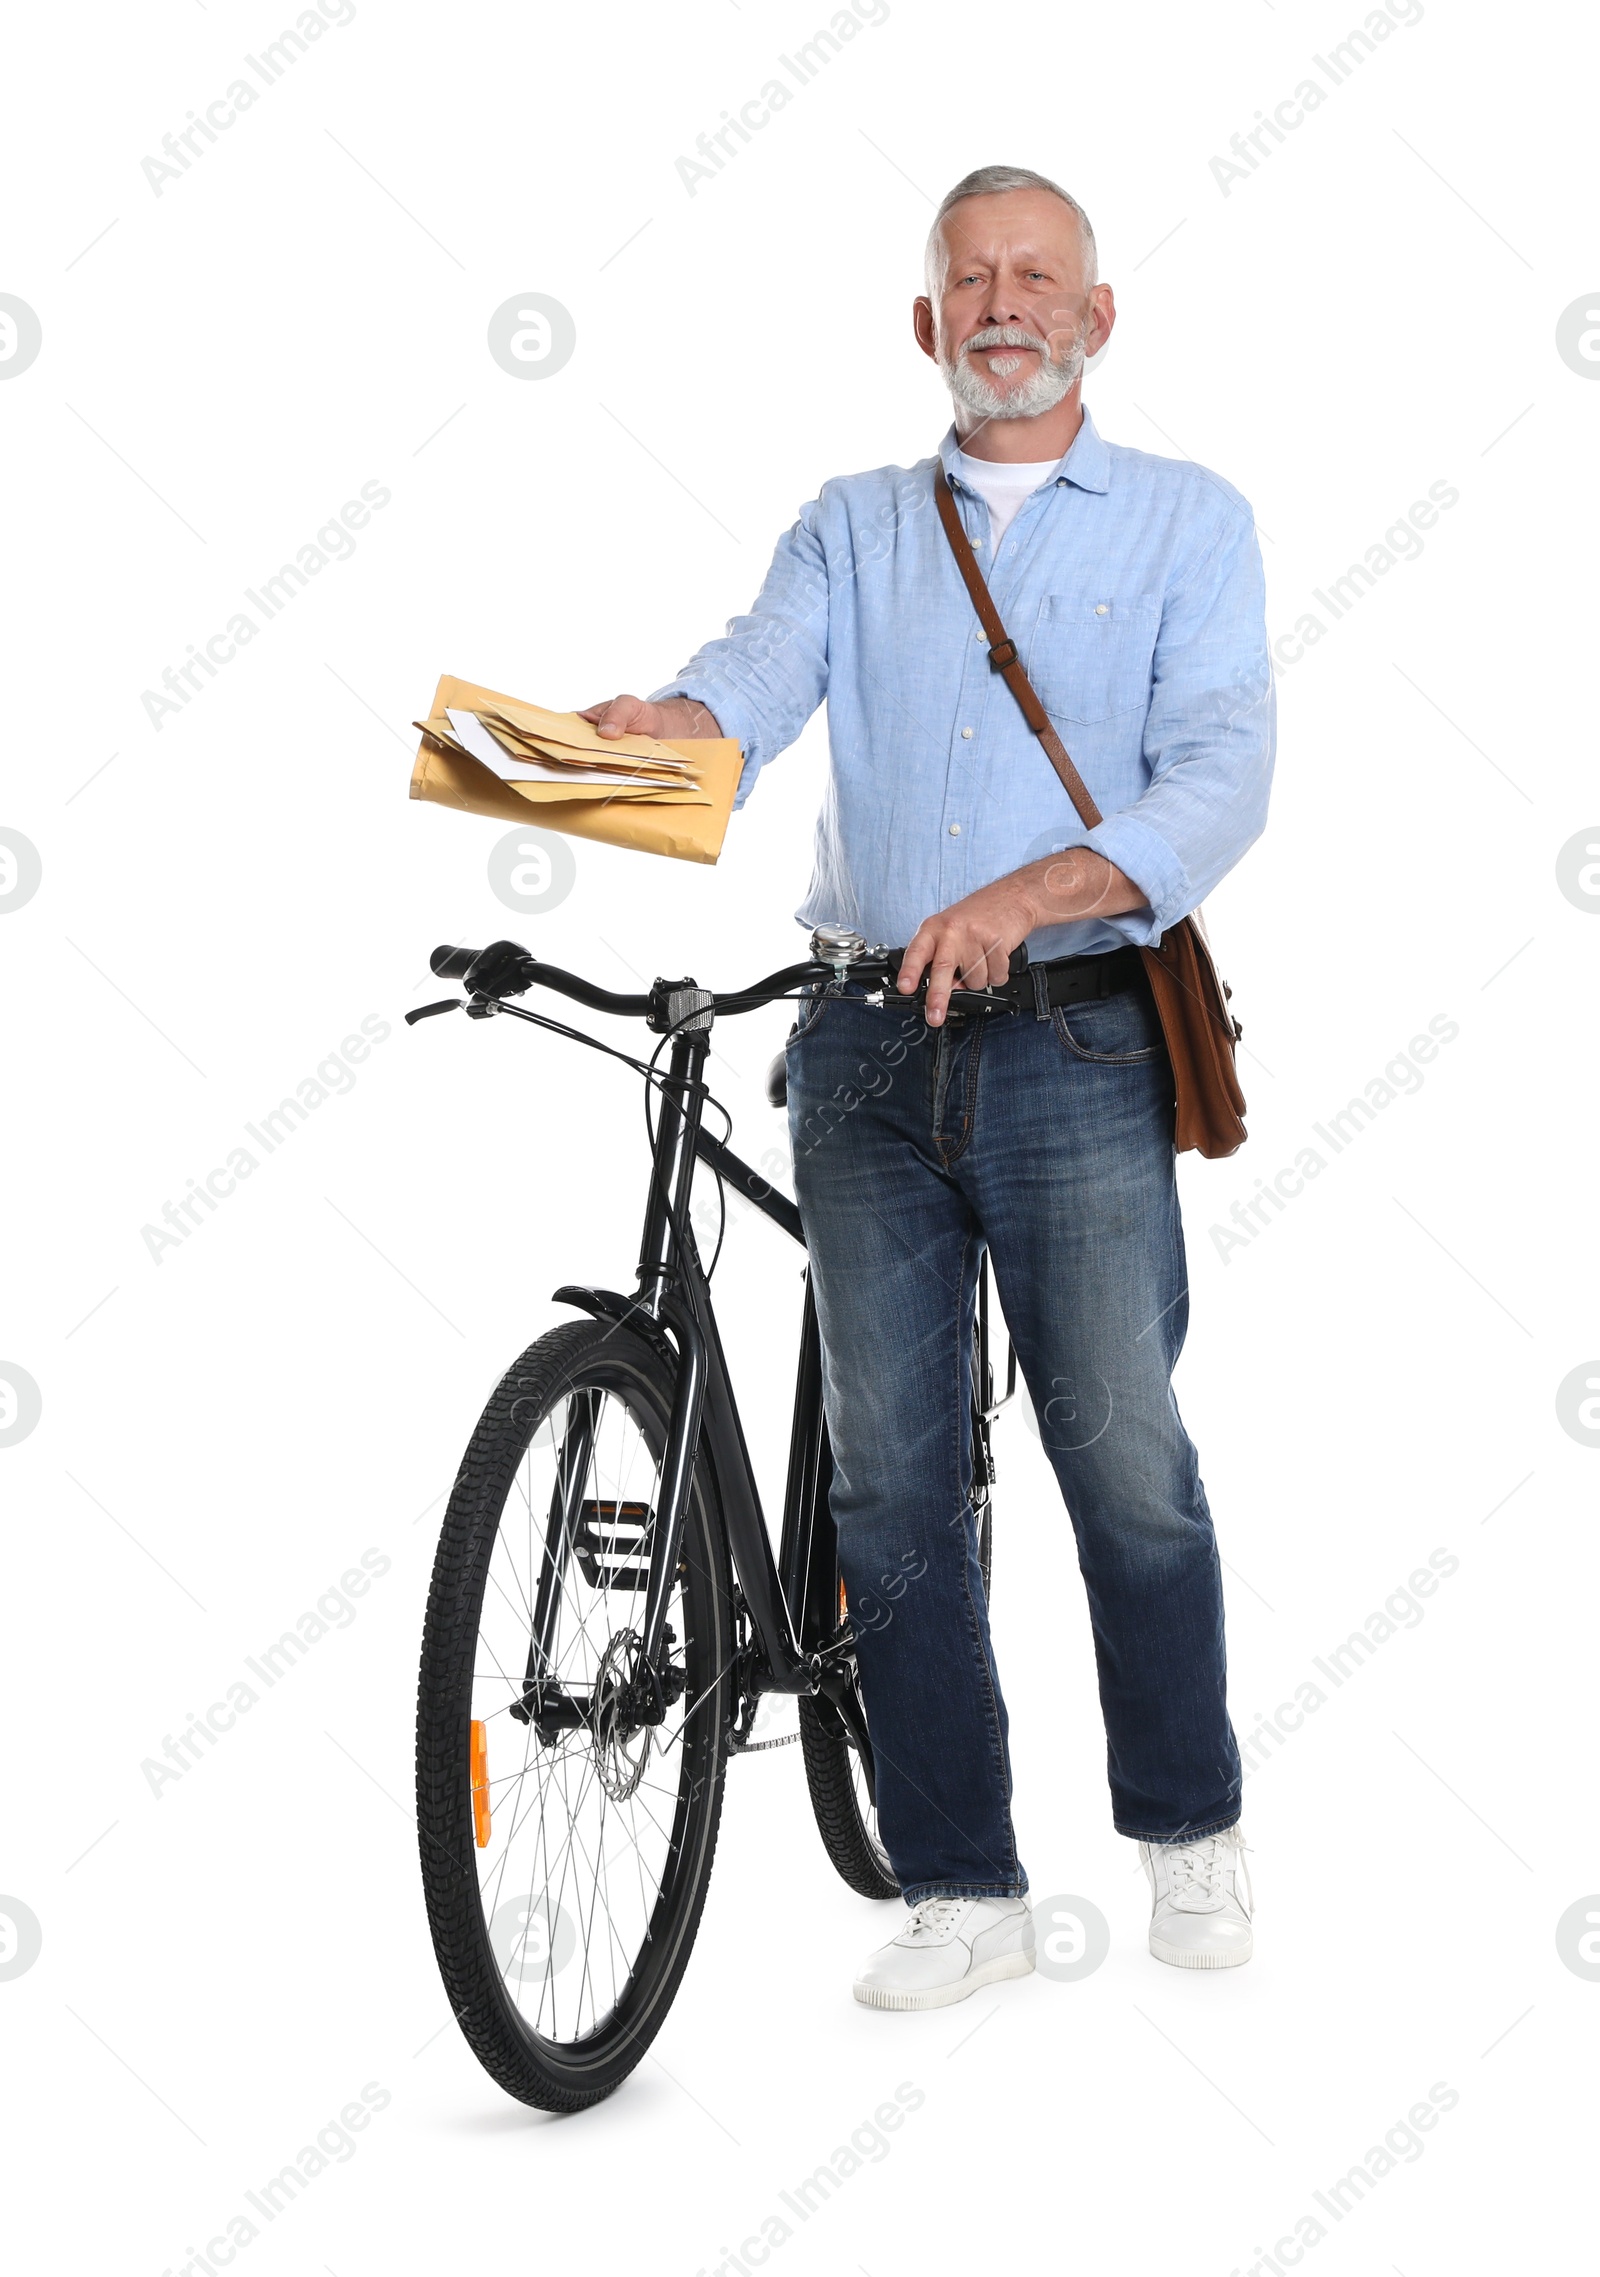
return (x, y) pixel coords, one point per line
(839, 946)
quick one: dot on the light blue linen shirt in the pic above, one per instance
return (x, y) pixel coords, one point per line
(1132, 587)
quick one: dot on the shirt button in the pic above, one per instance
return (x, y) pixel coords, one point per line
(977, 636)
(966, 735)
(1101, 610)
(955, 830)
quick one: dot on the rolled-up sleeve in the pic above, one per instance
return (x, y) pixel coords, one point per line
(1209, 739)
(769, 672)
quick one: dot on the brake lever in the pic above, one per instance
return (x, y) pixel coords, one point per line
(429, 1011)
(961, 999)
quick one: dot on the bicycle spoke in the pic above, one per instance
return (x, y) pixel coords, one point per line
(558, 1831)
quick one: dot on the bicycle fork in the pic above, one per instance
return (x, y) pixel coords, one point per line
(656, 1307)
(671, 1310)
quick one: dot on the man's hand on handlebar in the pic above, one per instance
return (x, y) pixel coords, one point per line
(677, 717)
(974, 938)
(971, 941)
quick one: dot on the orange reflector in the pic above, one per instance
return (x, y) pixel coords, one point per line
(478, 1766)
(844, 1601)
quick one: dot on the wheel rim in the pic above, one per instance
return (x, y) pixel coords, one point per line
(866, 1808)
(586, 1822)
(867, 1811)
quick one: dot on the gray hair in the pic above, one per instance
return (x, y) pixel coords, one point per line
(986, 181)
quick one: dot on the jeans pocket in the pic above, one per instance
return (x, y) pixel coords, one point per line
(809, 1013)
(1119, 1030)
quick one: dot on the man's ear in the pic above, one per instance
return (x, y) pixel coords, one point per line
(922, 325)
(1105, 316)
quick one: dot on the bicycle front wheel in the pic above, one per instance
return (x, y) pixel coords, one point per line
(567, 1797)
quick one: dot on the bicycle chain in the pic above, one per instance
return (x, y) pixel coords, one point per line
(761, 1746)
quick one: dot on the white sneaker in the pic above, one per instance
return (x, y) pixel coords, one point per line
(1200, 1901)
(949, 1948)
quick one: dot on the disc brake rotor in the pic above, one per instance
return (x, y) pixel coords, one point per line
(621, 1740)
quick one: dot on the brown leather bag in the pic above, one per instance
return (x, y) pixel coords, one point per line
(1191, 997)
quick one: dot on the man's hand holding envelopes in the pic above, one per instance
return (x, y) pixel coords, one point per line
(491, 754)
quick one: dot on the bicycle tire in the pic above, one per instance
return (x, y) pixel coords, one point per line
(832, 1776)
(837, 1784)
(535, 2068)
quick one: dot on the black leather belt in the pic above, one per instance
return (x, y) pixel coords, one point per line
(1069, 980)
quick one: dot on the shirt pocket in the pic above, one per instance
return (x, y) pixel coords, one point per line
(1092, 653)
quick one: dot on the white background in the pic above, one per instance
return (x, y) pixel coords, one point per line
(1371, 1379)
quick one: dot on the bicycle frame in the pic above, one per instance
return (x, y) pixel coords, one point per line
(801, 1642)
(672, 1308)
(791, 1599)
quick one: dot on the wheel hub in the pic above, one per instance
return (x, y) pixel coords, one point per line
(625, 1707)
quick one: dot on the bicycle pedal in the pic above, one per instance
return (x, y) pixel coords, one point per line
(612, 1543)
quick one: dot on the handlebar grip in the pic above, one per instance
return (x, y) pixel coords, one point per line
(451, 964)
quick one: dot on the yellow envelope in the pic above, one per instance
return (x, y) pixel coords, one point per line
(685, 826)
(437, 732)
(665, 768)
(572, 729)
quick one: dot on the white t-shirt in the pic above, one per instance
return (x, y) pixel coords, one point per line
(1003, 486)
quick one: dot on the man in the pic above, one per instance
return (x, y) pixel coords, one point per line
(1132, 586)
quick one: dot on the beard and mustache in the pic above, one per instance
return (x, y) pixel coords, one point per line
(977, 393)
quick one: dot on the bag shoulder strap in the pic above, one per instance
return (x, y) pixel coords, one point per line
(1003, 654)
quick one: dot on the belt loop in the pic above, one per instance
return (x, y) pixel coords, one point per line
(1041, 992)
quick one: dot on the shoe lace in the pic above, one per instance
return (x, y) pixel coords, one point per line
(1195, 1872)
(929, 1919)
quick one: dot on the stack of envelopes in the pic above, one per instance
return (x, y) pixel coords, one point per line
(493, 754)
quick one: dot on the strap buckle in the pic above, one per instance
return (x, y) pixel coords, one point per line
(1003, 654)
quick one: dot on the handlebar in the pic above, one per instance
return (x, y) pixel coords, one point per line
(505, 968)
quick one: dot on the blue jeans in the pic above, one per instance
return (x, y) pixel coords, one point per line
(1048, 1139)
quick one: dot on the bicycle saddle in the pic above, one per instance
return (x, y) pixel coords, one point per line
(778, 1083)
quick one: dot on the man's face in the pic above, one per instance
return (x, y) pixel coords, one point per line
(1014, 320)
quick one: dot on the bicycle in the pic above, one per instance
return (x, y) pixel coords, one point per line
(606, 1612)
